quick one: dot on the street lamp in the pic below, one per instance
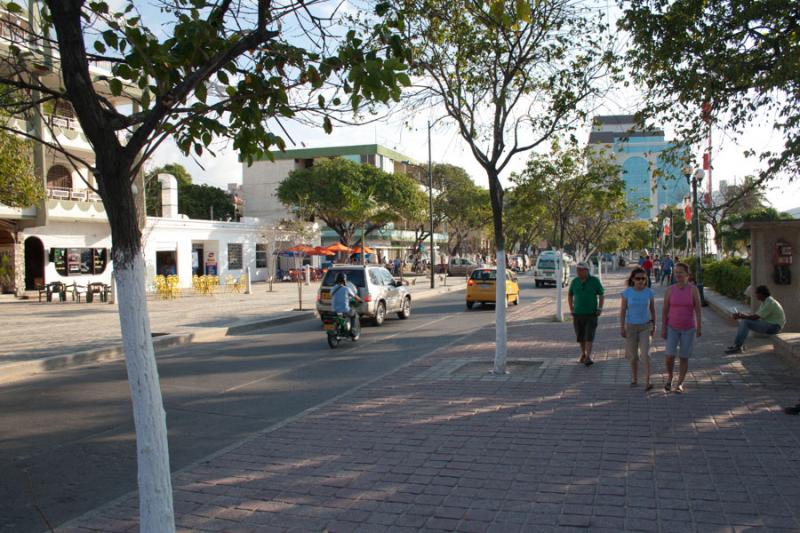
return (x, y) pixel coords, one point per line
(695, 178)
(430, 198)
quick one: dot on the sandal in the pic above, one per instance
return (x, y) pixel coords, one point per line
(679, 388)
(588, 362)
(667, 387)
(648, 387)
(634, 383)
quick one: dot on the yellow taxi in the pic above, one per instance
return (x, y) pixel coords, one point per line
(481, 287)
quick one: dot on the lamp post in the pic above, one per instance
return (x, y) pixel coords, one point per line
(430, 203)
(695, 178)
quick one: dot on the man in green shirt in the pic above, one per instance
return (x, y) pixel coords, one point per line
(584, 293)
(768, 319)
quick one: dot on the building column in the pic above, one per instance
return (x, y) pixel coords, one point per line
(19, 264)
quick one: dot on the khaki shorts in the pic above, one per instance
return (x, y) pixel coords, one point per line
(637, 341)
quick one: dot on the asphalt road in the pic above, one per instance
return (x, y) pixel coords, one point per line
(66, 439)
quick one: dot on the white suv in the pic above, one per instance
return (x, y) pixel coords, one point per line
(381, 293)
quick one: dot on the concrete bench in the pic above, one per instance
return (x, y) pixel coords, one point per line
(787, 346)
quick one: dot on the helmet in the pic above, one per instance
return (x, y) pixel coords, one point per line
(341, 277)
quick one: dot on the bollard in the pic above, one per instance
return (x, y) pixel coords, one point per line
(307, 273)
(559, 283)
(248, 287)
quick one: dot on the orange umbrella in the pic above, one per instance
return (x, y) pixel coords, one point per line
(357, 250)
(302, 248)
(321, 250)
(338, 247)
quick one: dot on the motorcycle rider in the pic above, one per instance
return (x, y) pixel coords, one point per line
(341, 294)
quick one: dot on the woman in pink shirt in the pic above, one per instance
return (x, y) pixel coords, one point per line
(681, 322)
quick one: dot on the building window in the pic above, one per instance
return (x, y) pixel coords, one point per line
(59, 176)
(368, 159)
(261, 256)
(234, 256)
(79, 261)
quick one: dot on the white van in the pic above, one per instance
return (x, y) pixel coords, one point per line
(544, 272)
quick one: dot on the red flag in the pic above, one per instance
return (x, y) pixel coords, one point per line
(687, 211)
(667, 229)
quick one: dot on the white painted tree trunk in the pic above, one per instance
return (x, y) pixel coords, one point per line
(559, 289)
(500, 335)
(155, 485)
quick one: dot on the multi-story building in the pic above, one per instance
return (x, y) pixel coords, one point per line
(260, 183)
(652, 179)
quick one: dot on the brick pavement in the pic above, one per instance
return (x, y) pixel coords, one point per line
(440, 445)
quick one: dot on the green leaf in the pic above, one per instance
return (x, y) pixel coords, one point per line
(13, 7)
(222, 76)
(327, 125)
(115, 86)
(100, 47)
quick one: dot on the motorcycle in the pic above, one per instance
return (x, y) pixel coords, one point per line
(338, 327)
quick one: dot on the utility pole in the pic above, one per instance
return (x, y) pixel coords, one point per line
(696, 176)
(430, 205)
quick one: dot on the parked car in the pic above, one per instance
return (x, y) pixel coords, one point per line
(544, 272)
(458, 266)
(382, 294)
(482, 284)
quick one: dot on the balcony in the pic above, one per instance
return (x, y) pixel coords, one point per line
(74, 204)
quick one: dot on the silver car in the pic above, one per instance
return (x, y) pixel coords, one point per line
(381, 293)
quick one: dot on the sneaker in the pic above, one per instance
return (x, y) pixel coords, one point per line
(792, 410)
(734, 349)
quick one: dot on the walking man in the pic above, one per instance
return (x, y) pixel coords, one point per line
(769, 319)
(666, 270)
(586, 298)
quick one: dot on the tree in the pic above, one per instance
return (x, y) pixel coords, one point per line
(733, 201)
(342, 193)
(582, 194)
(201, 202)
(509, 74)
(226, 69)
(736, 239)
(460, 204)
(722, 61)
(19, 187)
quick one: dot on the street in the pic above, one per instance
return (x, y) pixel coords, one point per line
(68, 443)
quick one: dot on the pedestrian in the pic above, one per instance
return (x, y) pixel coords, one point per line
(657, 269)
(648, 267)
(666, 270)
(637, 321)
(396, 264)
(681, 322)
(586, 300)
(769, 319)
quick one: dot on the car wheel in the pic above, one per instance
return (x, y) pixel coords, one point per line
(538, 284)
(380, 314)
(470, 304)
(405, 309)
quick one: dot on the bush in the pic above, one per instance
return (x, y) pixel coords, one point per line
(729, 277)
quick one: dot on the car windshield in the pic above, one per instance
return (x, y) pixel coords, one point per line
(356, 277)
(547, 263)
(484, 275)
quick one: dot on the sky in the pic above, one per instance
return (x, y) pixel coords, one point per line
(408, 135)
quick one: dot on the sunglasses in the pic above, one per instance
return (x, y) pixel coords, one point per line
(638, 278)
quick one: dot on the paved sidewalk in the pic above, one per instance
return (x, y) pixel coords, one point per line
(440, 445)
(53, 335)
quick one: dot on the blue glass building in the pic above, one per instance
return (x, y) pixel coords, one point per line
(651, 181)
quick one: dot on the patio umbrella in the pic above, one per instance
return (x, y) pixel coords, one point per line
(302, 249)
(338, 247)
(357, 250)
(321, 250)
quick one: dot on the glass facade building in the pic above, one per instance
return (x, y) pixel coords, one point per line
(651, 181)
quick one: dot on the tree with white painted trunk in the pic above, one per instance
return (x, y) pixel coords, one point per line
(226, 69)
(510, 74)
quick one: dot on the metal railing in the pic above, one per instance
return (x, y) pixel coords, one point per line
(78, 195)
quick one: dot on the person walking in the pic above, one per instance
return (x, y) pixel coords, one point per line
(769, 319)
(648, 267)
(586, 298)
(666, 270)
(657, 269)
(681, 322)
(637, 321)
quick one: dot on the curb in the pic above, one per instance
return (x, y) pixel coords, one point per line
(17, 371)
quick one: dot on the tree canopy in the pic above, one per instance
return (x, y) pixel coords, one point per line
(195, 201)
(349, 196)
(19, 187)
(737, 60)
(461, 204)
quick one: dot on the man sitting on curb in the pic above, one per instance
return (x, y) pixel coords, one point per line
(769, 319)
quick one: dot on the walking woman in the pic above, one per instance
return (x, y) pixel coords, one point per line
(681, 323)
(637, 323)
